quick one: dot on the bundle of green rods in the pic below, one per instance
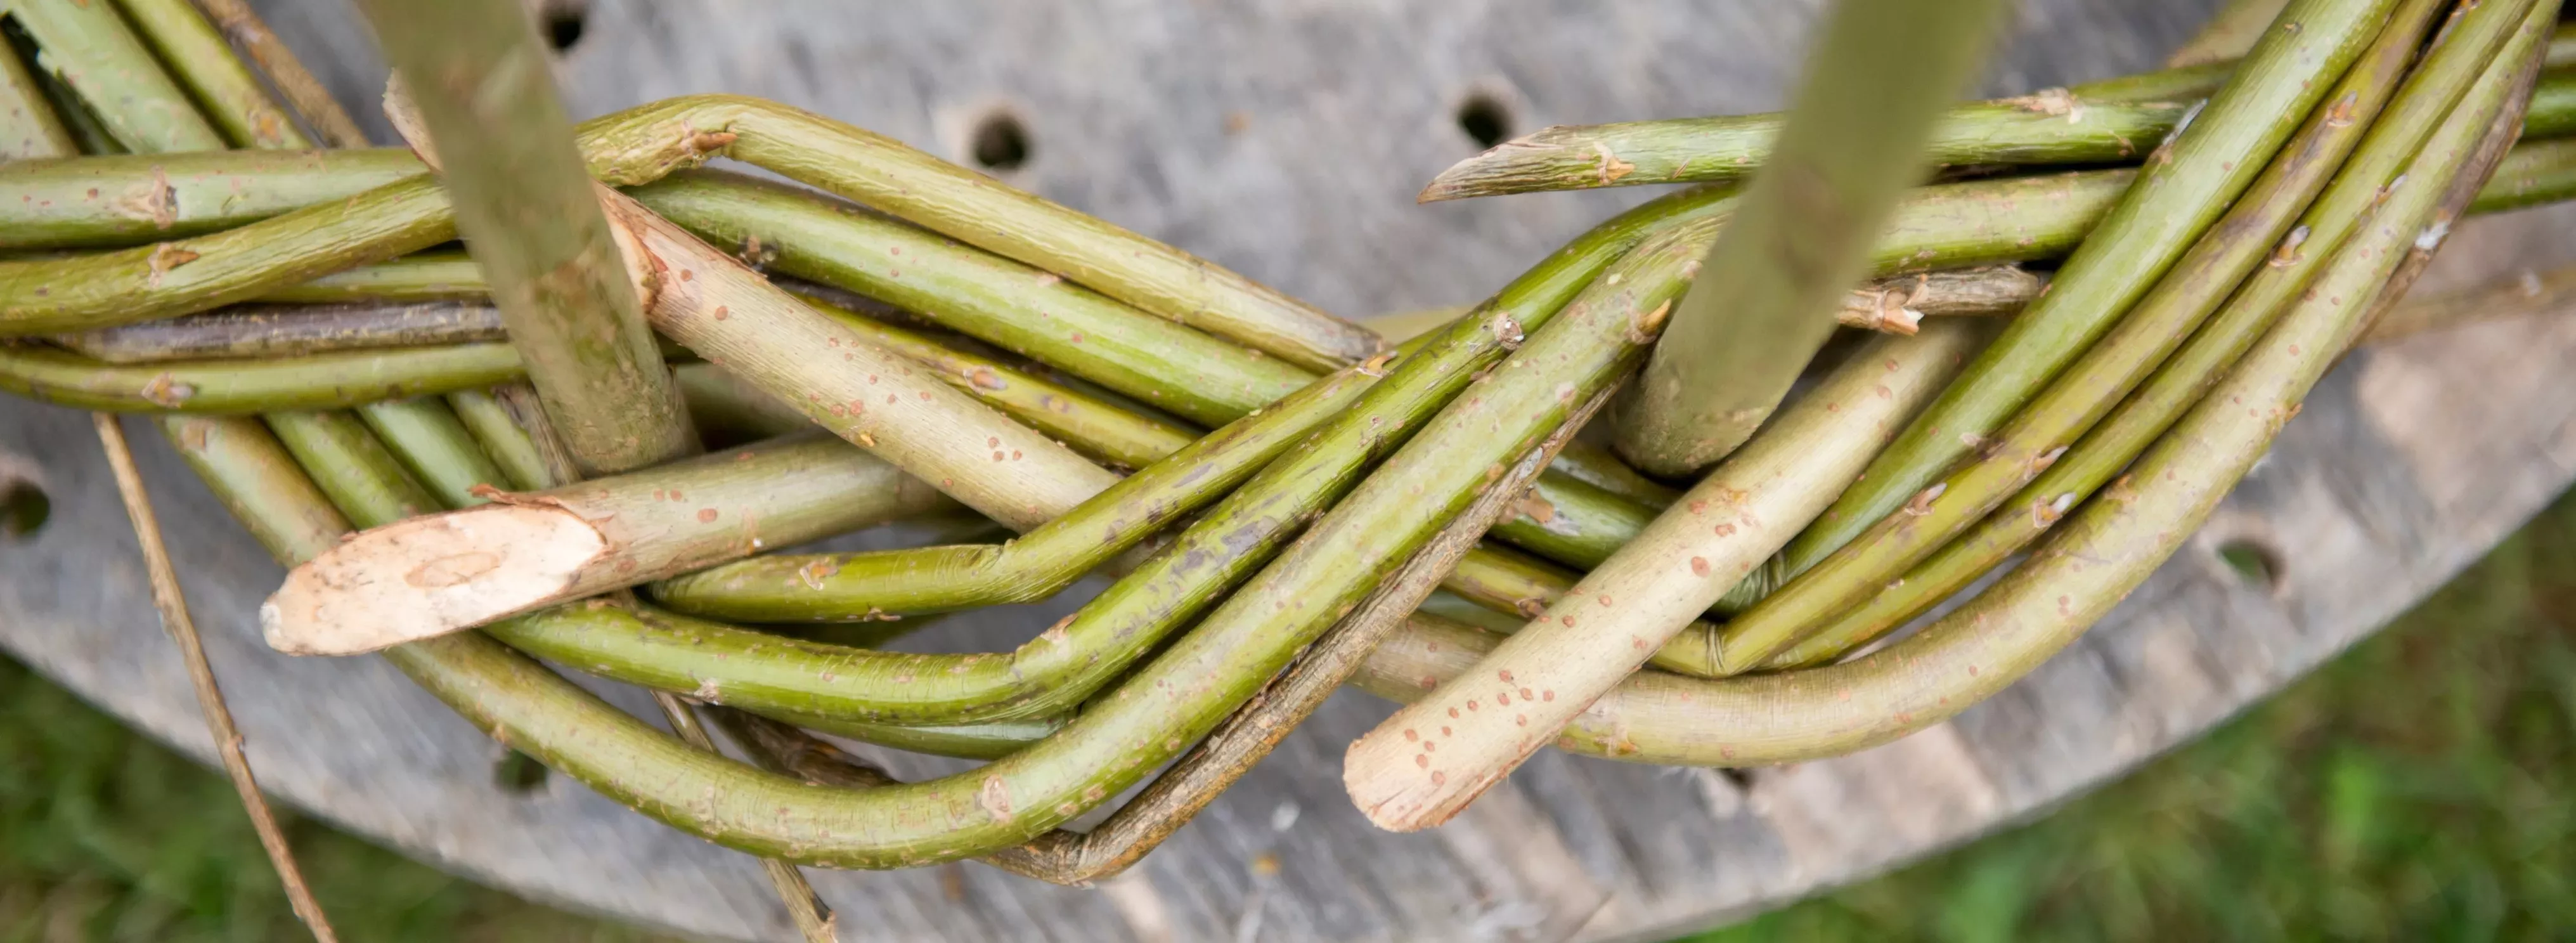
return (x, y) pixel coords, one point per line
(2073, 341)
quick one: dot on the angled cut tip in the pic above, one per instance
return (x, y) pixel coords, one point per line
(429, 576)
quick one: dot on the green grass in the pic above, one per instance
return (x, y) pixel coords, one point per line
(2417, 788)
(107, 836)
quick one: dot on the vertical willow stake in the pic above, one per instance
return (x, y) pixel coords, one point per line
(1883, 72)
(210, 699)
(89, 48)
(480, 79)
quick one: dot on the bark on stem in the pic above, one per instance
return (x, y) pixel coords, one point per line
(49, 204)
(728, 313)
(1025, 310)
(199, 58)
(1898, 304)
(1422, 766)
(281, 331)
(479, 75)
(1848, 151)
(813, 920)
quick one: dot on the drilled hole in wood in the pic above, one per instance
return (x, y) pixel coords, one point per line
(1000, 142)
(519, 773)
(1485, 119)
(563, 21)
(2253, 562)
(23, 508)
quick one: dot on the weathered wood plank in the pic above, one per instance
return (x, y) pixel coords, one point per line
(1286, 140)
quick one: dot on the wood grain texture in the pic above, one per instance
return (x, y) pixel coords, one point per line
(2400, 471)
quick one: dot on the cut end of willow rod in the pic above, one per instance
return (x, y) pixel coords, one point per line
(429, 576)
(1505, 168)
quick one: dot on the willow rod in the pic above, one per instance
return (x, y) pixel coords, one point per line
(2110, 121)
(502, 146)
(2185, 187)
(2102, 553)
(2309, 183)
(1846, 155)
(1427, 762)
(2093, 461)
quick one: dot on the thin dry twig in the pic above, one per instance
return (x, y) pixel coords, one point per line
(813, 918)
(210, 699)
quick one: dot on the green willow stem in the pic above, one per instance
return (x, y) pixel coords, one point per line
(1421, 766)
(482, 81)
(843, 586)
(319, 381)
(971, 208)
(1847, 152)
(185, 276)
(125, 199)
(2102, 554)
(200, 59)
(253, 475)
(1595, 465)
(525, 551)
(510, 450)
(713, 304)
(642, 144)
(2533, 174)
(2133, 427)
(1961, 223)
(2228, 34)
(1040, 563)
(1168, 366)
(1116, 740)
(364, 472)
(29, 128)
(2183, 188)
(276, 331)
(2115, 121)
(1018, 308)
(1084, 422)
(428, 276)
(2257, 227)
(435, 446)
(2055, 127)
(2553, 107)
(1073, 659)
(88, 46)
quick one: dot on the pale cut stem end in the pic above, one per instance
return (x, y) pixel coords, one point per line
(425, 577)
